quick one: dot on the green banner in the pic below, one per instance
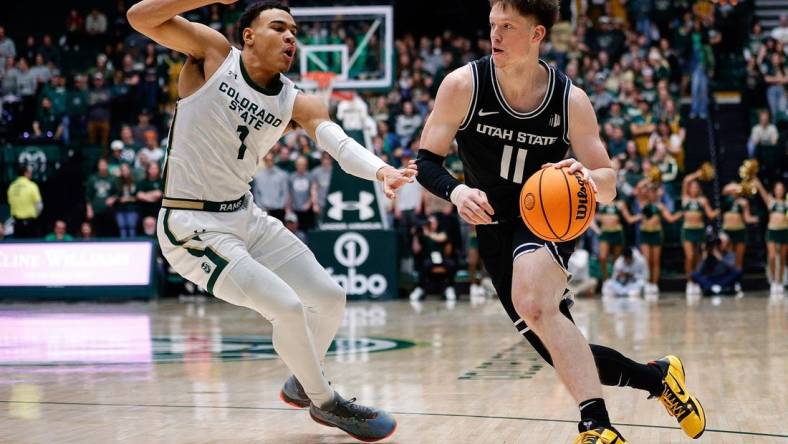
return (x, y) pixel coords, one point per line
(363, 262)
(351, 203)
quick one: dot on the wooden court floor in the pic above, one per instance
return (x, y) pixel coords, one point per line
(205, 372)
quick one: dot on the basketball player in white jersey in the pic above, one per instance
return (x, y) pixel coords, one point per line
(235, 105)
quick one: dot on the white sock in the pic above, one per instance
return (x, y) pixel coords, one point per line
(249, 284)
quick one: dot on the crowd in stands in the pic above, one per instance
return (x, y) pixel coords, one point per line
(95, 83)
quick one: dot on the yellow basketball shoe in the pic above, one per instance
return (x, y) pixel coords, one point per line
(600, 435)
(678, 401)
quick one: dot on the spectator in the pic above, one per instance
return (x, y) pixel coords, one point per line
(57, 93)
(59, 234)
(352, 112)
(643, 124)
(408, 211)
(776, 78)
(86, 231)
(407, 123)
(763, 134)
(617, 144)
(291, 223)
(321, 175)
(119, 155)
(303, 194)
(78, 106)
(7, 46)
(271, 188)
(149, 227)
(143, 126)
(99, 112)
(581, 281)
(284, 160)
(49, 50)
(151, 153)
(2, 232)
(701, 66)
(41, 71)
(24, 200)
(436, 273)
(717, 272)
(26, 89)
(9, 87)
(149, 192)
(96, 24)
(630, 273)
(101, 195)
(75, 26)
(48, 124)
(779, 33)
(126, 207)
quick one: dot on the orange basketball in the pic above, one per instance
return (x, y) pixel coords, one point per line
(556, 205)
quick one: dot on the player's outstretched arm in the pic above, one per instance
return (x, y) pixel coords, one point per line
(311, 113)
(592, 158)
(159, 20)
(451, 104)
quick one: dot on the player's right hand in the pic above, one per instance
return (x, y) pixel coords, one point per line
(472, 205)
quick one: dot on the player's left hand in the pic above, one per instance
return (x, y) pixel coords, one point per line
(574, 167)
(393, 178)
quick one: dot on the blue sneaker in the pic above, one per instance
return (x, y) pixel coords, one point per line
(293, 394)
(366, 424)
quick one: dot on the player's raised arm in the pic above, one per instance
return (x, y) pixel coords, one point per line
(311, 113)
(159, 20)
(588, 147)
(451, 105)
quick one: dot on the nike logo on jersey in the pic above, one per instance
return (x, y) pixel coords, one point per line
(488, 113)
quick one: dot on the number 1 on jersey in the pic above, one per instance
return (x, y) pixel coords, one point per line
(242, 131)
(519, 165)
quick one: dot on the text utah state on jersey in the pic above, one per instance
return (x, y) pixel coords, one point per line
(253, 114)
(507, 134)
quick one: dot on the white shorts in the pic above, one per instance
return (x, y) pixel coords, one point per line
(202, 246)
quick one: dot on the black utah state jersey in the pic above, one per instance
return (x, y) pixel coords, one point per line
(500, 147)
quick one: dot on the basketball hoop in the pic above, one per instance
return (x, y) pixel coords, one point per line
(320, 83)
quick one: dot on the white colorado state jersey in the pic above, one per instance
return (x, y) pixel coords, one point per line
(221, 132)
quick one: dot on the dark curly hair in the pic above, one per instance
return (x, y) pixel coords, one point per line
(252, 12)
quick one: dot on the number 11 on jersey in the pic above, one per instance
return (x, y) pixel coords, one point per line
(519, 165)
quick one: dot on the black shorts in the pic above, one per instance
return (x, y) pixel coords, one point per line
(500, 244)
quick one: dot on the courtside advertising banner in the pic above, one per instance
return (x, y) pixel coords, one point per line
(77, 270)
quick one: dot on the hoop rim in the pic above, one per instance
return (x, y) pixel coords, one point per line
(323, 79)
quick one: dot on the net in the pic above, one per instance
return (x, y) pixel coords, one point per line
(320, 83)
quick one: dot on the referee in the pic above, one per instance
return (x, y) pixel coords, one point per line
(26, 205)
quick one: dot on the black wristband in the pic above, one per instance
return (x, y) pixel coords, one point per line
(433, 176)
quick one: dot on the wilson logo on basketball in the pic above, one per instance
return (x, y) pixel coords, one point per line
(582, 198)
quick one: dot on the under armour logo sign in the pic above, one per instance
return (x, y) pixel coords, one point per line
(231, 73)
(206, 268)
(339, 205)
(587, 424)
(554, 121)
(488, 113)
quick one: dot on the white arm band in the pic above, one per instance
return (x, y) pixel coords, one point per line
(351, 156)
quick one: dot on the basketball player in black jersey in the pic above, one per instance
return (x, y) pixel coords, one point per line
(511, 115)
